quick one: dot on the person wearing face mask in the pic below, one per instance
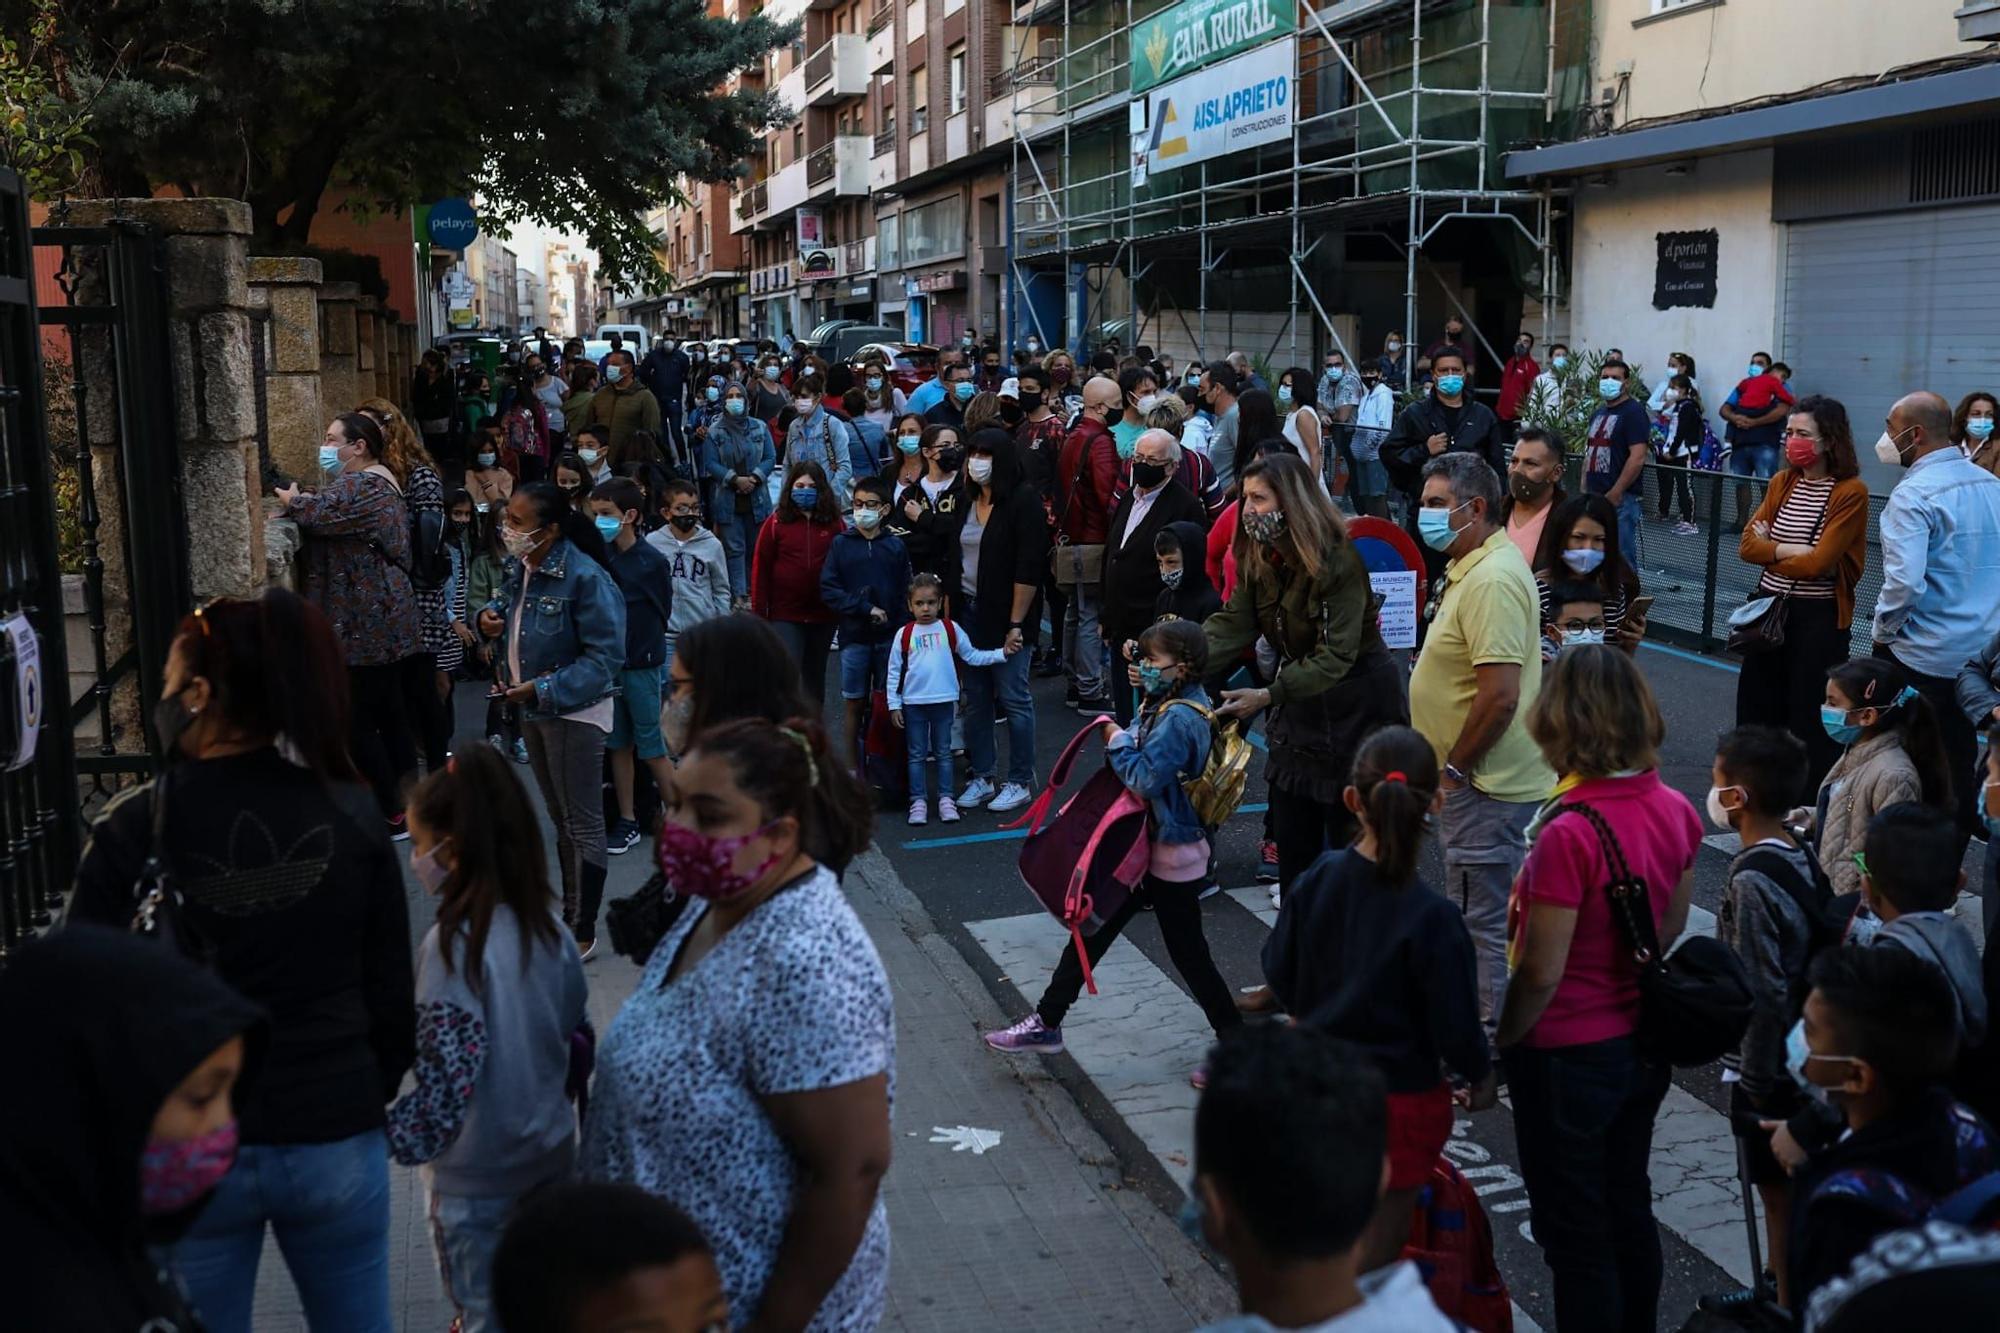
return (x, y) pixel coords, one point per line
(500, 990)
(292, 892)
(1447, 419)
(1580, 544)
(665, 374)
(696, 562)
(1876, 1045)
(1374, 416)
(1517, 379)
(1086, 482)
(1475, 682)
(991, 374)
(769, 998)
(817, 436)
(1682, 432)
(907, 466)
(866, 580)
(647, 586)
(1534, 490)
(1131, 585)
(140, 1062)
(526, 424)
(1940, 539)
(1065, 388)
(1394, 362)
(593, 450)
(738, 459)
(1578, 618)
(1301, 418)
(490, 479)
(624, 404)
(357, 561)
(958, 391)
(767, 388)
(791, 553)
(434, 402)
(539, 380)
(1455, 339)
(1136, 388)
(1972, 427)
(1617, 447)
(559, 623)
(928, 512)
(885, 402)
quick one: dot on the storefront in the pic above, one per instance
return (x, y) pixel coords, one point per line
(936, 312)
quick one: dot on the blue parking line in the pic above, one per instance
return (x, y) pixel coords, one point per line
(1009, 835)
(1696, 658)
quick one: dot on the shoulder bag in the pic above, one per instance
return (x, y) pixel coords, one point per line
(1694, 1004)
(159, 912)
(1758, 626)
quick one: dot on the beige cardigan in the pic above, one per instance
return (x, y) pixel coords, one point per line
(1876, 772)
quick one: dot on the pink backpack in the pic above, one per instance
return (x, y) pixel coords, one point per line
(1084, 864)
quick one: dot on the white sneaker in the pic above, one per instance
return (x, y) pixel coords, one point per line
(920, 811)
(976, 794)
(1275, 897)
(947, 810)
(1012, 797)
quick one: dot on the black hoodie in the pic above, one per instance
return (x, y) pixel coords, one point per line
(97, 1027)
(1196, 599)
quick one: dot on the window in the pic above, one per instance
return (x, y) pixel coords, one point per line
(920, 99)
(706, 239)
(957, 67)
(934, 230)
(888, 232)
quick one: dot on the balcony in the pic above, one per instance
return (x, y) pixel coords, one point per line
(955, 136)
(882, 166)
(792, 90)
(840, 167)
(838, 70)
(857, 258)
(882, 40)
(1022, 100)
(751, 205)
(770, 201)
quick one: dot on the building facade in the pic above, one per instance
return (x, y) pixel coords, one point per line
(1839, 207)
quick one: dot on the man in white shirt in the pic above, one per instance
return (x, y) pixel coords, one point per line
(1373, 417)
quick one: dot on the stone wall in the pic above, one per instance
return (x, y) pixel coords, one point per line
(294, 420)
(339, 348)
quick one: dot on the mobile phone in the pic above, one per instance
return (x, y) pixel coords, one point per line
(1640, 606)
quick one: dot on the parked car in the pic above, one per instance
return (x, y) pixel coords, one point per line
(633, 334)
(910, 364)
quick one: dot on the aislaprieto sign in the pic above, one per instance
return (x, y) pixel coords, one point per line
(1238, 104)
(1197, 32)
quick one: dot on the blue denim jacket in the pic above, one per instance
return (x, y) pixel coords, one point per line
(1163, 748)
(572, 631)
(739, 446)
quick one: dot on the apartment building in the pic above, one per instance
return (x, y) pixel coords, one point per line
(1837, 203)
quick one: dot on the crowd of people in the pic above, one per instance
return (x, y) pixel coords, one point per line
(654, 566)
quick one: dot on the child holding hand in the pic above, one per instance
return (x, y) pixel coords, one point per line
(923, 692)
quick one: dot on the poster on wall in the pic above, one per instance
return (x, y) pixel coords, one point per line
(1194, 33)
(1223, 109)
(812, 231)
(1685, 272)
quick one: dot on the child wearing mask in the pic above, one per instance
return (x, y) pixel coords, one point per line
(1576, 617)
(924, 692)
(500, 992)
(647, 585)
(1894, 753)
(495, 467)
(865, 579)
(483, 578)
(695, 560)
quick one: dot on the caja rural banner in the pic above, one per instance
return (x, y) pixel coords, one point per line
(1238, 104)
(1190, 35)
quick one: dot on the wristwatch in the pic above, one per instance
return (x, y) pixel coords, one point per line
(1021, 625)
(1458, 775)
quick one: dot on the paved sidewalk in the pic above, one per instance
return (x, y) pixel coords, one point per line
(1039, 1230)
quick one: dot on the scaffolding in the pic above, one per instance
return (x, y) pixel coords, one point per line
(1401, 111)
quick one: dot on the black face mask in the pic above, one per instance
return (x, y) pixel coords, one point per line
(685, 522)
(951, 459)
(1010, 411)
(1148, 475)
(171, 719)
(1031, 401)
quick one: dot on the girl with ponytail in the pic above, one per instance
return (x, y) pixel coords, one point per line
(1369, 952)
(1894, 752)
(500, 992)
(746, 1080)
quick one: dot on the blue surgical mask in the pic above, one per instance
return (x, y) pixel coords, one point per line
(805, 497)
(1152, 679)
(1285, 394)
(488, 460)
(329, 458)
(1434, 526)
(867, 519)
(1979, 427)
(590, 456)
(1608, 388)
(612, 374)
(1574, 637)
(963, 391)
(1335, 372)
(1797, 1053)
(1451, 385)
(909, 444)
(712, 393)
(734, 407)
(1837, 726)
(1583, 560)
(770, 372)
(1559, 362)
(874, 384)
(1756, 370)
(607, 526)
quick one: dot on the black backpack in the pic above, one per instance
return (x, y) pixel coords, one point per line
(1814, 899)
(430, 550)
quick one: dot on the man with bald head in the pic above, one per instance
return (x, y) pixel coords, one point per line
(1086, 481)
(1131, 586)
(1940, 570)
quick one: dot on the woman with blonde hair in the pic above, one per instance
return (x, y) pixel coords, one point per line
(1301, 586)
(426, 676)
(981, 412)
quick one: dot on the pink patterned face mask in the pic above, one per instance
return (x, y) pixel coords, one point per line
(175, 1173)
(705, 867)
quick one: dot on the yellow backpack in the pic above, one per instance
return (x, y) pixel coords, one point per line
(1217, 790)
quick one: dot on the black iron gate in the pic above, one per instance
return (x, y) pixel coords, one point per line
(90, 497)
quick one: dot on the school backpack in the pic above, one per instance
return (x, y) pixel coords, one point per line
(1813, 897)
(1452, 1246)
(909, 632)
(1084, 864)
(430, 549)
(1217, 790)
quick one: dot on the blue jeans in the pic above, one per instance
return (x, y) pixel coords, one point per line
(927, 731)
(1753, 460)
(1583, 1119)
(464, 1233)
(739, 539)
(1086, 648)
(328, 1203)
(1630, 510)
(1008, 683)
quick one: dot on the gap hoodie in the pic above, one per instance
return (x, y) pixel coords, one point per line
(700, 570)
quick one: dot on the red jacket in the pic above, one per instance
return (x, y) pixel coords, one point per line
(784, 578)
(1089, 456)
(1515, 382)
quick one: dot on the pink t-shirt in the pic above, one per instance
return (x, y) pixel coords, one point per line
(1659, 832)
(1527, 535)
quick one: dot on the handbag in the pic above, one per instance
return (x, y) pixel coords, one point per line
(639, 922)
(1758, 626)
(1693, 1004)
(159, 911)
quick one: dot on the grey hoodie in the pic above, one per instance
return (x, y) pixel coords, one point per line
(1762, 923)
(1946, 943)
(701, 575)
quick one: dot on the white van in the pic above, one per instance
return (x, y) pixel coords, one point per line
(633, 334)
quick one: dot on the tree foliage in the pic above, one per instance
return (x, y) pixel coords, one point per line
(581, 114)
(42, 130)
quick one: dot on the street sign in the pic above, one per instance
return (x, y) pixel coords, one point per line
(1200, 32)
(1396, 572)
(1221, 110)
(28, 692)
(453, 225)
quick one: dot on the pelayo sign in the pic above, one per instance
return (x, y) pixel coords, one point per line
(1196, 32)
(1237, 104)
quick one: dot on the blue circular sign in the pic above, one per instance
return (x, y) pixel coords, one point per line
(453, 226)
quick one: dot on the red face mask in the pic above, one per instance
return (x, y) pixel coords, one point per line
(705, 867)
(1800, 452)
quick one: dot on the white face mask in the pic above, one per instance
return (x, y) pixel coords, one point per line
(1718, 813)
(979, 470)
(1888, 452)
(1574, 637)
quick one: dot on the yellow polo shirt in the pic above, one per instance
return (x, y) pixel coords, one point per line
(1490, 614)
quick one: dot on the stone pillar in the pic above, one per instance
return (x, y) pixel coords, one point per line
(337, 344)
(206, 251)
(406, 363)
(293, 418)
(366, 317)
(385, 350)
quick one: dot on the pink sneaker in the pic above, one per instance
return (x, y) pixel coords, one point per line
(947, 810)
(1030, 1034)
(1199, 1078)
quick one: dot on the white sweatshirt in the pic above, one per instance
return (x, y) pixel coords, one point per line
(928, 676)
